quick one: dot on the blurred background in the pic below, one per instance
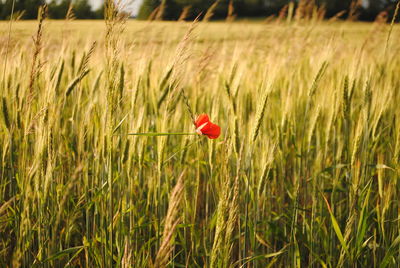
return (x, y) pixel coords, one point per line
(365, 10)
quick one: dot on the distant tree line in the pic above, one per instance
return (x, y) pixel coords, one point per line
(57, 9)
(172, 9)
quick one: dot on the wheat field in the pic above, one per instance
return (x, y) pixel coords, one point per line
(304, 174)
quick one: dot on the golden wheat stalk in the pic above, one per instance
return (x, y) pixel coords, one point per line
(172, 219)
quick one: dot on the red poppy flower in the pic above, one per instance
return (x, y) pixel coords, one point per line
(205, 127)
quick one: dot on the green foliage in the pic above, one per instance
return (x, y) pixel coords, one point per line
(83, 10)
(147, 7)
(257, 8)
(173, 8)
(31, 8)
(57, 9)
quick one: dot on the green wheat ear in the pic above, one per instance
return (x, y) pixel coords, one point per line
(259, 115)
(6, 117)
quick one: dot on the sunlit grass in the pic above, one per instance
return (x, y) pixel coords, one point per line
(305, 172)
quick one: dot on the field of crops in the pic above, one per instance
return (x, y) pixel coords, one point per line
(305, 172)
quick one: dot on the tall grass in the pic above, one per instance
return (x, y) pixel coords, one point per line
(305, 172)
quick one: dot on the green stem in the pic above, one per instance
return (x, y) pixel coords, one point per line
(161, 134)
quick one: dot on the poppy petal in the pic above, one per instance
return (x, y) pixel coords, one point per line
(205, 127)
(211, 130)
(201, 119)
